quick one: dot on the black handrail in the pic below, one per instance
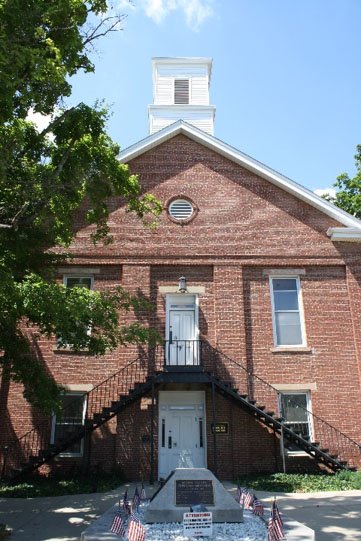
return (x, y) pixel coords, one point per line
(37, 441)
(186, 354)
(256, 388)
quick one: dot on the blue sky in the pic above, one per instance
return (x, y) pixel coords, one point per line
(286, 76)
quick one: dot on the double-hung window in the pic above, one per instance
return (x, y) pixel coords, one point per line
(70, 282)
(69, 422)
(288, 326)
(78, 281)
(294, 408)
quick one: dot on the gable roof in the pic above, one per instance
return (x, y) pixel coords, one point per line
(352, 229)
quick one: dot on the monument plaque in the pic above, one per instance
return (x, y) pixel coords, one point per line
(194, 491)
(195, 488)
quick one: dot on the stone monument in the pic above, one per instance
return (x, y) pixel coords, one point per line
(187, 487)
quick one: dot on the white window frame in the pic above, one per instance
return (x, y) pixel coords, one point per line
(300, 311)
(65, 282)
(309, 416)
(87, 276)
(53, 425)
(189, 79)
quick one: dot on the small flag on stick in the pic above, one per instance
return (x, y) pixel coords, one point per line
(247, 498)
(136, 530)
(118, 524)
(257, 506)
(136, 499)
(143, 495)
(275, 524)
(126, 506)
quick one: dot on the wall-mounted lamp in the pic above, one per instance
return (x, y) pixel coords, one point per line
(182, 287)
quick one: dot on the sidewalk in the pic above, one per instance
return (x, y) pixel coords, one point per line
(335, 516)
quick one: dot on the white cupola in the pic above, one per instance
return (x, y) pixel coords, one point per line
(181, 92)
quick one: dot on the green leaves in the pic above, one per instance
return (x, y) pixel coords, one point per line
(48, 176)
(348, 196)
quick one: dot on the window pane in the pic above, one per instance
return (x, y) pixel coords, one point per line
(294, 407)
(69, 423)
(286, 300)
(72, 408)
(63, 432)
(284, 284)
(77, 281)
(288, 328)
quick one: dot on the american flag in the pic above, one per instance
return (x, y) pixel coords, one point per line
(246, 498)
(118, 524)
(257, 505)
(126, 506)
(143, 495)
(275, 524)
(136, 530)
(136, 499)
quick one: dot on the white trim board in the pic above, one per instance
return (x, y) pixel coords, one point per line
(229, 152)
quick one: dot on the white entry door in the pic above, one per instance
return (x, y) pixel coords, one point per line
(181, 431)
(182, 331)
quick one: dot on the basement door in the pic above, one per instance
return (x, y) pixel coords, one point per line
(182, 346)
(182, 442)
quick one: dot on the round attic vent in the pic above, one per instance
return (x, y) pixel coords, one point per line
(180, 209)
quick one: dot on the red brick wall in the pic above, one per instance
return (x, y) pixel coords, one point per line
(244, 227)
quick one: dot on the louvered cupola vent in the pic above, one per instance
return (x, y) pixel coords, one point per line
(181, 91)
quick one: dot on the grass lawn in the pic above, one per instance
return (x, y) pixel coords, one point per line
(302, 482)
(277, 482)
(36, 487)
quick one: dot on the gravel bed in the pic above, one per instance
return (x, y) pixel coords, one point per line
(252, 529)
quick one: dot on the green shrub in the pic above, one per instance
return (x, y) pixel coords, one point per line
(302, 482)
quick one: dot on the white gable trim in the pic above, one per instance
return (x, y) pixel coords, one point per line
(229, 152)
(344, 234)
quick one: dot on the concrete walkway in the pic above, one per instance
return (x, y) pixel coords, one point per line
(335, 516)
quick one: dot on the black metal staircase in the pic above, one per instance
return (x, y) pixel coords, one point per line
(202, 364)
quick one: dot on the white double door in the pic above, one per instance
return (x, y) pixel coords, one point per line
(181, 436)
(182, 331)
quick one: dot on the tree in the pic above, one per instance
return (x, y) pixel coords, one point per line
(348, 196)
(46, 176)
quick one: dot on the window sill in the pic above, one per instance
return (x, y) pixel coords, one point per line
(68, 455)
(296, 454)
(291, 349)
(69, 351)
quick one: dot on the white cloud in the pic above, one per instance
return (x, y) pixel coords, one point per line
(195, 12)
(41, 121)
(331, 192)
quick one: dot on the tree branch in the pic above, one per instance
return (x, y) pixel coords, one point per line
(57, 121)
(112, 27)
(15, 220)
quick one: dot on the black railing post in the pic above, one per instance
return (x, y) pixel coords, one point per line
(151, 477)
(214, 430)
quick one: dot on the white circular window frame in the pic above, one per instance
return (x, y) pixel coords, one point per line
(182, 221)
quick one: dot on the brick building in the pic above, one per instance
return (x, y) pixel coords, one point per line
(256, 286)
